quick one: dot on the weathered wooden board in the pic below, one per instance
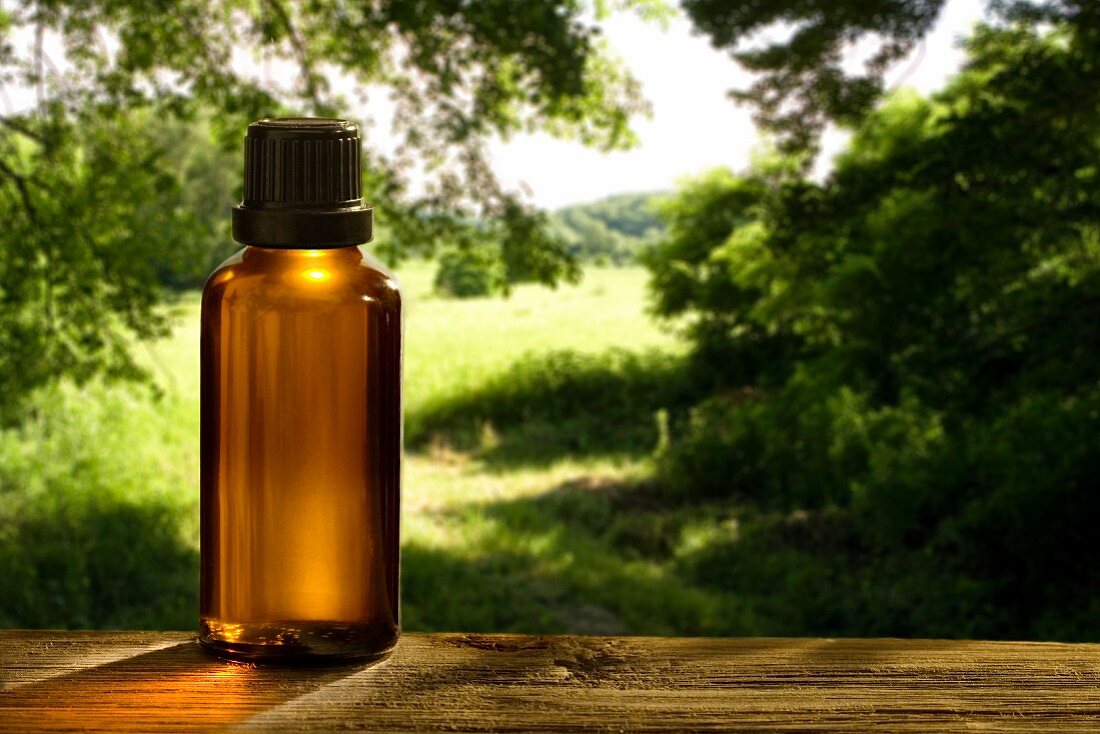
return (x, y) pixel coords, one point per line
(117, 681)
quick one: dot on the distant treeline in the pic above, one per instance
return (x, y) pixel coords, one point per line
(610, 230)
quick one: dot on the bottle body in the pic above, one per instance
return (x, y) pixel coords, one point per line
(301, 455)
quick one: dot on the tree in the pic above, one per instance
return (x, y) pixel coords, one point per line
(95, 183)
(924, 254)
(467, 273)
(802, 84)
(913, 341)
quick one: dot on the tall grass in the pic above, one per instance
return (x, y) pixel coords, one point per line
(98, 512)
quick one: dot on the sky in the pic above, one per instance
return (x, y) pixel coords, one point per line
(695, 126)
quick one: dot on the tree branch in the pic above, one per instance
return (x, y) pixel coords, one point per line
(23, 130)
(24, 191)
(304, 59)
(39, 85)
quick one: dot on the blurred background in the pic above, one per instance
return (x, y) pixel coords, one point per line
(724, 318)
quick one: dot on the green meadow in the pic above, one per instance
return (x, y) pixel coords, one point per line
(531, 424)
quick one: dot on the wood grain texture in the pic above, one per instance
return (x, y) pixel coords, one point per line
(118, 681)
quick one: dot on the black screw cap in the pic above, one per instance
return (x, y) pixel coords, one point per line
(302, 185)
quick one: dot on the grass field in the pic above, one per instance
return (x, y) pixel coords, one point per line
(101, 484)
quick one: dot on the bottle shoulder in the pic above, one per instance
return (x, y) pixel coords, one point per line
(225, 271)
(380, 279)
(268, 276)
(370, 262)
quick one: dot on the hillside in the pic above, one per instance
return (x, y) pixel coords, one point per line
(609, 230)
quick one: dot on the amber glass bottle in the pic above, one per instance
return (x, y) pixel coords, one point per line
(301, 412)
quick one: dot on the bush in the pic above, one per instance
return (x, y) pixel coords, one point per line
(564, 402)
(1024, 527)
(93, 531)
(965, 529)
(782, 449)
(469, 272)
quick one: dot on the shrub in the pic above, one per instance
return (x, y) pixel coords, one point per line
(565, 400)
(778, 449)
(93, 531)
(469, 272)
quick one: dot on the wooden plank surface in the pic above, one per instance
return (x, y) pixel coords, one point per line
(119, 681)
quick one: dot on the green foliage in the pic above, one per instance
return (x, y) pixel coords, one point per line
(802, 83)
(92, 217)
(469, 272)
(121, 176)
(94, 532)
(797, 48)
(609, 231)
(908, 343)
(560, 403)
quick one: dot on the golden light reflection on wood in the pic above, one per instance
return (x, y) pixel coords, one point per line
(179, 688)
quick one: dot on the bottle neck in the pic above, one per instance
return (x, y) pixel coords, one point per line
(302, 228)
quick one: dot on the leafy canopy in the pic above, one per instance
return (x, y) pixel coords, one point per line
(108, 182)
(798, 49)
(954, 238)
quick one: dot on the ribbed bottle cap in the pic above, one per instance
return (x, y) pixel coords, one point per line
(302, 185)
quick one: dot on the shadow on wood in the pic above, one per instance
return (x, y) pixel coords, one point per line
(177, 687)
